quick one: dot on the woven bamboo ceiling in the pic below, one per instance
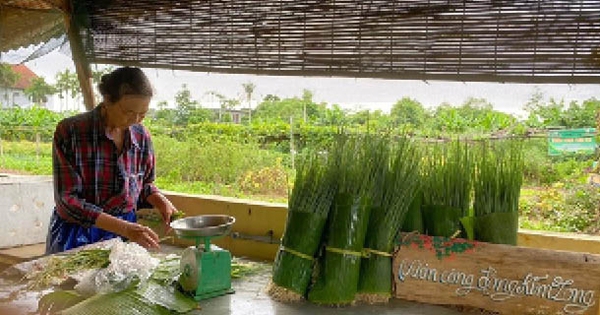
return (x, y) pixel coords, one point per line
(29, 22)
(529, 41)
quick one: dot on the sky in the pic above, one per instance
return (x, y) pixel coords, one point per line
(350, 93)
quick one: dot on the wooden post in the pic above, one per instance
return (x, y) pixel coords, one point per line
(292, 149)
(37, 146)
(82, 66)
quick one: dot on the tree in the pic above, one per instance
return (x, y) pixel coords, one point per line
(184, 105)
(307, 96)
(361, 117)
(164, 114)
(581, 116)
(67, 86)
(225, 104)
(249, 90)
(335, 116)
(272, 108)
(408, 111)
(39, 90)
(545, 115)
(97, 78)
(8, 77)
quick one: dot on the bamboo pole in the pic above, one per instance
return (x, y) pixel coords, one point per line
(82, 66)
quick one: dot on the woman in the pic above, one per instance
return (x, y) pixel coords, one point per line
(103, 164)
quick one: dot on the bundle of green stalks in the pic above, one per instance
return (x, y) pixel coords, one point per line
(447, 184)
(498, 180)
(58, 268)
(309, 204)
(392, 199)
(339, 265)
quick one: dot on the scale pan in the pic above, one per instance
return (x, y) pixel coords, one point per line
(203, 226)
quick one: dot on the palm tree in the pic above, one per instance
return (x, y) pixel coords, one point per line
(67, 86)
(249, 90)
(221, 99)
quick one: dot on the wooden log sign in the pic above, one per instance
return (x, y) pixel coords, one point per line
(499, 278)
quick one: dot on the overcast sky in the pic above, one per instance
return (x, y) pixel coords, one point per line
(350, 93)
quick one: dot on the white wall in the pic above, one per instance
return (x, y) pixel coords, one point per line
(26, 204)
(10, 97)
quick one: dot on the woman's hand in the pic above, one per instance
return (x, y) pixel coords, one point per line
(167, 210)
(134, 232)
(165, 207)
(142, 235)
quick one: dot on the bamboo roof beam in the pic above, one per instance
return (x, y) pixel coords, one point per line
(82, 65)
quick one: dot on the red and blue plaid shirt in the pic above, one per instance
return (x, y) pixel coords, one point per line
(90, 176)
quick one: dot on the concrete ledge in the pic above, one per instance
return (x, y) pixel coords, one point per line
(559, 241)
(260, 225)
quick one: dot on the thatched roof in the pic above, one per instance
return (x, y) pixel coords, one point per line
(471, 40)
(29, 22)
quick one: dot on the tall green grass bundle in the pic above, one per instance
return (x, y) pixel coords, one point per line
(448, 180)
(498, 180)
(413, 222)
(338, 269)
(308, 208)
(400, 183)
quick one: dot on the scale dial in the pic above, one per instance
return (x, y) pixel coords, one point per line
(190, 269)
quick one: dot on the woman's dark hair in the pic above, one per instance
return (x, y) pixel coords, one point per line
(124, 81)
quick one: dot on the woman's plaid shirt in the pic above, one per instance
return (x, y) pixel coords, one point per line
(90, 176)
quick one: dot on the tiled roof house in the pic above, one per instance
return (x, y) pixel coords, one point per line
(15, 95)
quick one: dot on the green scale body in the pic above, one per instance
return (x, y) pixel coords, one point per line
(205, 272)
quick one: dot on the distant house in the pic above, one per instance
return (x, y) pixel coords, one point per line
(230, 115)
(15, 95)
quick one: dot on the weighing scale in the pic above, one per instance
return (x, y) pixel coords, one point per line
(205, 268)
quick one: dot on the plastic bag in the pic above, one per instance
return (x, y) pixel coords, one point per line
(129, 262)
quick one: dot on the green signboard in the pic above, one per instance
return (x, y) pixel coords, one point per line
(568, 141)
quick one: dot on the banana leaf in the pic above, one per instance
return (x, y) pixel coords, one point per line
(468, 224)
(126, 302)
(293, 268)
(54, 302)
(497, 228)
(152, 298)
(379, 271)
(339, 268)
(442, 220)
(414, 217)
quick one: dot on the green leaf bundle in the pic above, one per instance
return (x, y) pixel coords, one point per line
(401, 182)
(339, 266)
(448, 181)
(498, 180)
(308, 208)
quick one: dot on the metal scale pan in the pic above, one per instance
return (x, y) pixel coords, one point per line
(203, 226)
